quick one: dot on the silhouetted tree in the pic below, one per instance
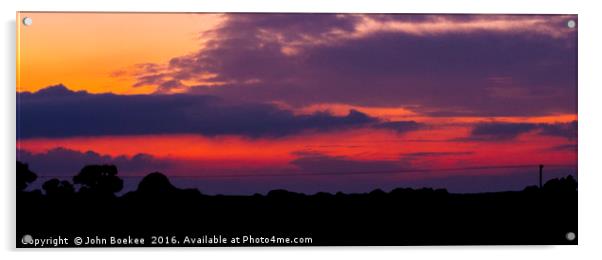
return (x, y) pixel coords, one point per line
(58, 188)
(155, 183)
(377, 193)
(531, 189)
(568, 184)
(401, 191)
(323, 195)
(155, 190)
(283, 194)
(99, 179)
(24, 176)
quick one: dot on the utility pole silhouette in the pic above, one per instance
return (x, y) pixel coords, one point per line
(540, 175)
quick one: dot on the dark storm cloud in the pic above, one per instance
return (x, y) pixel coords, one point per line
(59, 112)
(498, 131)
(461, 65)
(67, 163)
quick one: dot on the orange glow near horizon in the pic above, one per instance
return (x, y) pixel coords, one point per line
(84, 50)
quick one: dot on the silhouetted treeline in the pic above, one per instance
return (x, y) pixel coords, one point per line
(403, 216)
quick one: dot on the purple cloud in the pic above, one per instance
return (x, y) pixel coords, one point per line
(445, 64)
(500, 131)
(58, 112)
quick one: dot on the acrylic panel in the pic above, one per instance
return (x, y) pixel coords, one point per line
(295, 129)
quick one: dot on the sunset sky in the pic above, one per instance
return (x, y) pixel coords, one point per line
(245, 103)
